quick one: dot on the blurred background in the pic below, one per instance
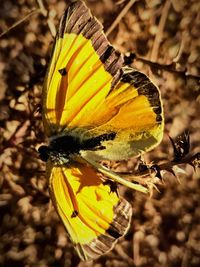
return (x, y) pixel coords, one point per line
(165, 229)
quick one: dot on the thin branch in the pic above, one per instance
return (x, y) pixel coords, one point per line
(41, 10)
(166, 166)
(161, 25)
(151, 176)
(168, 67)
(180, 51)
(20, 21)
(47, 14)
(18, 133)
(120, 16)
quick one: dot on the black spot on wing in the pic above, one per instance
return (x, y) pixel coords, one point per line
(105, 242)
(113, 232)
(79, 20)
(74, 214)
(63, 71)
(107, 53)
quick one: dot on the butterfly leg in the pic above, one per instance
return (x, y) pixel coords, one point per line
(115, 177)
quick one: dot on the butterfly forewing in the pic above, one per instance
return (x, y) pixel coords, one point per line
(83, 69)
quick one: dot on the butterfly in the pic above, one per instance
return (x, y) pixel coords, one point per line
(94, 108)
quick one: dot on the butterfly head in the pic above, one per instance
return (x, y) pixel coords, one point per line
(57, 158)
(44, 153)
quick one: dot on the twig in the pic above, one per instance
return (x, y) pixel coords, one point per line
(119, 2)
(20, 21)
(41, 10)
(180, 51)
(167, 166)
(151, 176)
(11, 141)
(46, 14)
(168, 67)
(120, 16)
(161, 25)
(18, 135)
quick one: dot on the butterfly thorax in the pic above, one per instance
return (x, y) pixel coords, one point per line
(62, 149)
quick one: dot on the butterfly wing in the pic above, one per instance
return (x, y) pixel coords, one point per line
(83, 69)
(133, 111)
(94, 216)
(87, 91)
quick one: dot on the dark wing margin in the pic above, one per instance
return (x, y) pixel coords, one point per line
(105, 242)
(94, 217)
(79, 20)
(145, 87)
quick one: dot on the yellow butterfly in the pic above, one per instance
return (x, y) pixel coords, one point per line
(94, 108)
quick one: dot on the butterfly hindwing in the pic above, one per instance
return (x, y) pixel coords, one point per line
(93, 215)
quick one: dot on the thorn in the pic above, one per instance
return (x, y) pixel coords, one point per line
(129, 58)
(172, 172)
(156, 169)
(38, 110)
(181, 146)
(195, 161)
(142, 167)
(191, 164)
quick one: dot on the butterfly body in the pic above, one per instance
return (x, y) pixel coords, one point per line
(94, 108)
(62, 148)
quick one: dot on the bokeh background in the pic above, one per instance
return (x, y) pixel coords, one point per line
(165, 229)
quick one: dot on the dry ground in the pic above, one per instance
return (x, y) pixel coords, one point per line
(165, 229)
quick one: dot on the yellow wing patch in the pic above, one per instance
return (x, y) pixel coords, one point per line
(133, 110)
(83, 68)
(94, 216)
(67, 96)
